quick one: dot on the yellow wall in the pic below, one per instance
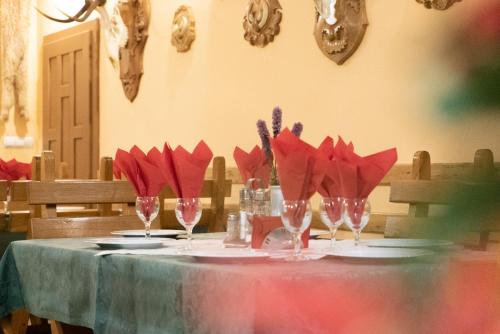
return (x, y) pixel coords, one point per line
(384, 95)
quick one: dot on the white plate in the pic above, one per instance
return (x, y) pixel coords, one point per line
(316, 232)
(126, 243)
(409, 243)
(374, 253)
(154, 233)
(228, 254)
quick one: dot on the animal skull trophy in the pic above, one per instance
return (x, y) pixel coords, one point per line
(340, 27)
(125, 24)
(437, 4)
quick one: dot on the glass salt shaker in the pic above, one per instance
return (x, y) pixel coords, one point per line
(233, 233)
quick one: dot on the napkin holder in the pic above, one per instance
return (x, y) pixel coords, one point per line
(263, 225)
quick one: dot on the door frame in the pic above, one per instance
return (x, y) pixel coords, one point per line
(93, 27)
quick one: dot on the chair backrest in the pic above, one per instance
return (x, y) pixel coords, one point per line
(437, 184)
(49, 194)
(215, 187)
(377, 220)
(14, 195)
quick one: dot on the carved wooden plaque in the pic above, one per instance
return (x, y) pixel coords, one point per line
(438, 4)
(135, 15)
(340, 27)
(262, 21)
(183, 29)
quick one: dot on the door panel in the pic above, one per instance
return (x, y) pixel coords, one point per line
(69, 99)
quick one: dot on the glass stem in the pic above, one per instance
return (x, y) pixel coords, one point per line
(147, 224)
(189, 238)
(357, 237)
(333, 233)
(296, 244)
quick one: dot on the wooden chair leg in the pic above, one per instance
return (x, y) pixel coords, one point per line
(16, 323)
(484, 238)
(5, 326)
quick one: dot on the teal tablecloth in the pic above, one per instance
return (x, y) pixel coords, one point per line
(62, 279)
(7, 237)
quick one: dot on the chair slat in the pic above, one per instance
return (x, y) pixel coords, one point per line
(206, 191)
(19, 191)
(47, 228)
(425, 191)
(406, 227)
(82, 192)
(3, 190)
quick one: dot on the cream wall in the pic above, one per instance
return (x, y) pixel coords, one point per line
(383, 96)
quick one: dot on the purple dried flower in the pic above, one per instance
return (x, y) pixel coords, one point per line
(297, 129)
(265, 138)
(277, 116)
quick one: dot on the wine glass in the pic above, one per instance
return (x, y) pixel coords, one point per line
(331, 215)
(356, 215)
(188, 214)
(296, 217)
(147, 208)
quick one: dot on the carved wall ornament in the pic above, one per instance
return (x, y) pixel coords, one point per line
(340, 27)
(183, 29)
(438, 4)
(262, 21)
(135, 15)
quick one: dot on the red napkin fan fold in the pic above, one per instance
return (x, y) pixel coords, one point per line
(301, 167)
(14, 170)
(360, 175)
(331, 184)
(146, 178)
(183, 171)
(253, 164)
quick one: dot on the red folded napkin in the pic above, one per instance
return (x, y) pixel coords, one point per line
(117, 173)
(331, 185)
(301, 167)
(360, 175)
(14, 170)
(253, 164)
(263, 225)
(146, 178)
(184, 171)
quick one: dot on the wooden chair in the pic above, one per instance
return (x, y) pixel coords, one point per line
(215, 187)
(439, 184)
(47, 195)
(43, 167)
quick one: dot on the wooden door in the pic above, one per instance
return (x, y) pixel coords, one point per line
(70, 95)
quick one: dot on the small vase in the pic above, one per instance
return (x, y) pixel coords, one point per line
(276, 200)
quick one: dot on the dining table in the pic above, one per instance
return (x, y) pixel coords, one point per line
(455, 291)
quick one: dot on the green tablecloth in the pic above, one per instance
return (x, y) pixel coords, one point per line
(7, 237)
(62, 279)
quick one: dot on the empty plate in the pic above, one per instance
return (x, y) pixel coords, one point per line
(374, 253)
(228, 255)
(409, 243)
(154, 233)
(126, 243)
